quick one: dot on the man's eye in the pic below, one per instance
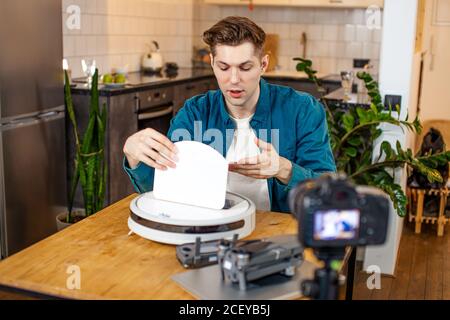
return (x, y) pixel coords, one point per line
(223, 68)
(246, 68)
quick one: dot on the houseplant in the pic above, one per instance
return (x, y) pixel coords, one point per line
(90, 169)
(353, 134)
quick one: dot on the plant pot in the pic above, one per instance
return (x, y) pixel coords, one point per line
(61, 223)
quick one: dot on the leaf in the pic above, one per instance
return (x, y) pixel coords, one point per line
(363, 115)
(348, 122)
(387, 149)
(366, 158)
(300, 67)
(355, 141)
(351, 151)
(373, 108)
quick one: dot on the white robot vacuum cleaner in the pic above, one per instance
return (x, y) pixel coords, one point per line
(177, 223)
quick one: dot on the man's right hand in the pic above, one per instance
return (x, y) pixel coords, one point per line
(152, 148)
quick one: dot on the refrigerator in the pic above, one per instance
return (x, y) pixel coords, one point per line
(32, 122)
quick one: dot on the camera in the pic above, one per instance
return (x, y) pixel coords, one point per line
(334, 213)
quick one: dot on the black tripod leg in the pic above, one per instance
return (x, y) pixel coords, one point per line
(351, 266)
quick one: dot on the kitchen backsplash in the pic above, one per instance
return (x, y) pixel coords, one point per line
(115, 32)
(334, 36)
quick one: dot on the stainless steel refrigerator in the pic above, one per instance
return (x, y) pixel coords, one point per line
(32, 122)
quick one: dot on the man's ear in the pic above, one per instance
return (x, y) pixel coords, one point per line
(211, 58)
(264, 63)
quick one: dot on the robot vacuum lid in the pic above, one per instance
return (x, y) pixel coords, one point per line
(167, 212)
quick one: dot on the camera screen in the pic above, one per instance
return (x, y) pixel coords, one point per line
(336, 224)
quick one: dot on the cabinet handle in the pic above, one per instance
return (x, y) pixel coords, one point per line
(335, 1)
(155, 114)
(137, 104)
(190, 87)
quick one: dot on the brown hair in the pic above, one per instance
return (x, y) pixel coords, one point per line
(234, 31)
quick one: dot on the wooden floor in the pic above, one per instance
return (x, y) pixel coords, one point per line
(423, 268)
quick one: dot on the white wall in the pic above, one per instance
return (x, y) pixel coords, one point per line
(115, 32)
(396, 77)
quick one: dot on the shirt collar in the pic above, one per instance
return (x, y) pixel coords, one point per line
(262, 106)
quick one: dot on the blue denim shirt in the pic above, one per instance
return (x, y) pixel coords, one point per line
(300, 135)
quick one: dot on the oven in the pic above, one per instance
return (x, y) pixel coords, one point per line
(155, 109)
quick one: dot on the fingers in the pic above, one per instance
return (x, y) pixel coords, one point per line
(151, 163)
(162, 139)
(263, 145)
(258, 166)
(251, 160)
(152, 148)
(257, 174)
(160, 148)
(159, 158)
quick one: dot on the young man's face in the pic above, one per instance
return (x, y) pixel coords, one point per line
(238, 70)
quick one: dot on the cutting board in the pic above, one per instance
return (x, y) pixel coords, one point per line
(271, 48)
(199, 179)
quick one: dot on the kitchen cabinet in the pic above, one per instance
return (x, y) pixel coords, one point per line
(305, 85)
(190, 89)
(338, 3)
(304, 3)
(247, 2)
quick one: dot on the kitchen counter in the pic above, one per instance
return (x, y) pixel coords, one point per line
(336, 99)
(138, 81)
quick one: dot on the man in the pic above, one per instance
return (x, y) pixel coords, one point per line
(279, 136)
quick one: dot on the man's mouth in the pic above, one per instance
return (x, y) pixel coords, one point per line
(236, 93)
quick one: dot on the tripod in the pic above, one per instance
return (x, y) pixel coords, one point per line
(325, 285)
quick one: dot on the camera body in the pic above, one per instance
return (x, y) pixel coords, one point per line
(333, 213)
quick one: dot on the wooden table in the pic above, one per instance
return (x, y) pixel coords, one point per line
(112, 264)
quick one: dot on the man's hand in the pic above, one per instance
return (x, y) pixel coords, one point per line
(264, 166)
(152, 148)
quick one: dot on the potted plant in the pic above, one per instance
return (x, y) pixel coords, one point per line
(352, 137)
(90, 167)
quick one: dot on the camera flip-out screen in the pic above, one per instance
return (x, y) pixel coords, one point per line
(336, 224)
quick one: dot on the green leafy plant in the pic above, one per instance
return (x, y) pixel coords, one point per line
(90, 165)
(353, 133)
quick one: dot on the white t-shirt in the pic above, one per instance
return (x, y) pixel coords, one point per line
(244, 146)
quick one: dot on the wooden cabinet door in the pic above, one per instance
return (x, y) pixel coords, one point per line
(122, 123)
(190, 89)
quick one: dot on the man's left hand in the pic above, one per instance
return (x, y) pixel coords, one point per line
(266, 165)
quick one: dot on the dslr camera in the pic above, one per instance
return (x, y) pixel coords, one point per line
(333, 213)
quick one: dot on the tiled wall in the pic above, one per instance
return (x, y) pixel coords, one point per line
(335, 36)
(115, 32)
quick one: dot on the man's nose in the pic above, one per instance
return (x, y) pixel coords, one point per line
(234, 76)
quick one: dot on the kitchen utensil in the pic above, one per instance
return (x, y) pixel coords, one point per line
(271, 48)
(152, 61)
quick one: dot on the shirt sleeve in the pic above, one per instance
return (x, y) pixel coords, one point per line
(181, 128)
(313, 155)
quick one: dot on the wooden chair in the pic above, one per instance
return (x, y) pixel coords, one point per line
(416, 196)
(416, 199)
